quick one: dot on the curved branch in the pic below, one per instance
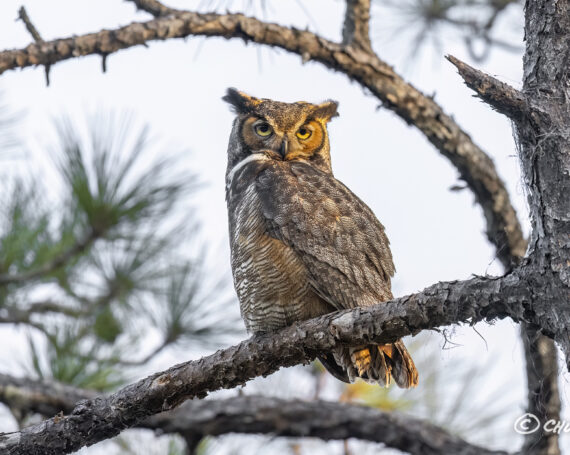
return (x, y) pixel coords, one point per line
(258, 415)
(474, 166)
(441, 304)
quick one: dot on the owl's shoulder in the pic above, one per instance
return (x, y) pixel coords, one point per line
(318, 215)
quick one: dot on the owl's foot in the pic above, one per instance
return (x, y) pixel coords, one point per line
(362, 360)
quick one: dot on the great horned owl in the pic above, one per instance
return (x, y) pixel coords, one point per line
(302, 244)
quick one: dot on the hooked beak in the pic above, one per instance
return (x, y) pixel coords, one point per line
(283, 148)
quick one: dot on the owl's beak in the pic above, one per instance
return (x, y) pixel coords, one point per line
(283, 148)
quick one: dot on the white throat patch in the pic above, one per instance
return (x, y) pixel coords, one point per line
(242, 163)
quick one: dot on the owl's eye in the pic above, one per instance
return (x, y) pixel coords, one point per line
(303, 133)
(263, 129)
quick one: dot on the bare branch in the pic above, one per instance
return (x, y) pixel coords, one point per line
(257, 414)
(500, 96)
(23, 15)
(442, 304)
(355, 31)
(474, 166)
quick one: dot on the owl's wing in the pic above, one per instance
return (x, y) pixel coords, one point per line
(336, 235)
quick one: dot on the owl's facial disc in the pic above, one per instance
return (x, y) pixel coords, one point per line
(262, 136)
(286, 139)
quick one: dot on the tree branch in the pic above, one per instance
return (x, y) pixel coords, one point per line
(500, 96)
(474, 166)
(257, 415)
(23, 15)
(103, 417)
(355, 31)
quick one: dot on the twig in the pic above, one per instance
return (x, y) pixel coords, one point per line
(154, 7)
(23, 15)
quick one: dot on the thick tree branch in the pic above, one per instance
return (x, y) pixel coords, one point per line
(257, 414)
(355, 31)
(442, 304)
(474, 166)
(500, 96)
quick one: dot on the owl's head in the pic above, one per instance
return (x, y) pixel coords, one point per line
(282, 131)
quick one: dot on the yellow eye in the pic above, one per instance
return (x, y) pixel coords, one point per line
(303, 133)
(263, 129)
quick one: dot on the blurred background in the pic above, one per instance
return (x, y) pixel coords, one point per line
(114, 223)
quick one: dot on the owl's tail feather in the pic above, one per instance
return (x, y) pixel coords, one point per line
(376, 364)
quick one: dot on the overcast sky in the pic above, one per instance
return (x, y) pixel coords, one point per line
(175, 87)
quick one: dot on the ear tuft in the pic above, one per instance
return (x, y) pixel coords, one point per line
(240, 102)
(326, 110)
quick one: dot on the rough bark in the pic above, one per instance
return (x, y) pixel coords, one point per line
(257, 415)
(500, 96)
(442, 304)
(356, 24)
(545, 154)
(542, 116)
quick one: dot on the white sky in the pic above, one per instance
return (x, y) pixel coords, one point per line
(176, 87)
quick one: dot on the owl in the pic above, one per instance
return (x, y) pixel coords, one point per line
(302, 244)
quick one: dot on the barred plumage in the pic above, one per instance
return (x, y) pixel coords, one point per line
(302, 243)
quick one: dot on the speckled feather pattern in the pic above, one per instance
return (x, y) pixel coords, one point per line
(303, 245)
